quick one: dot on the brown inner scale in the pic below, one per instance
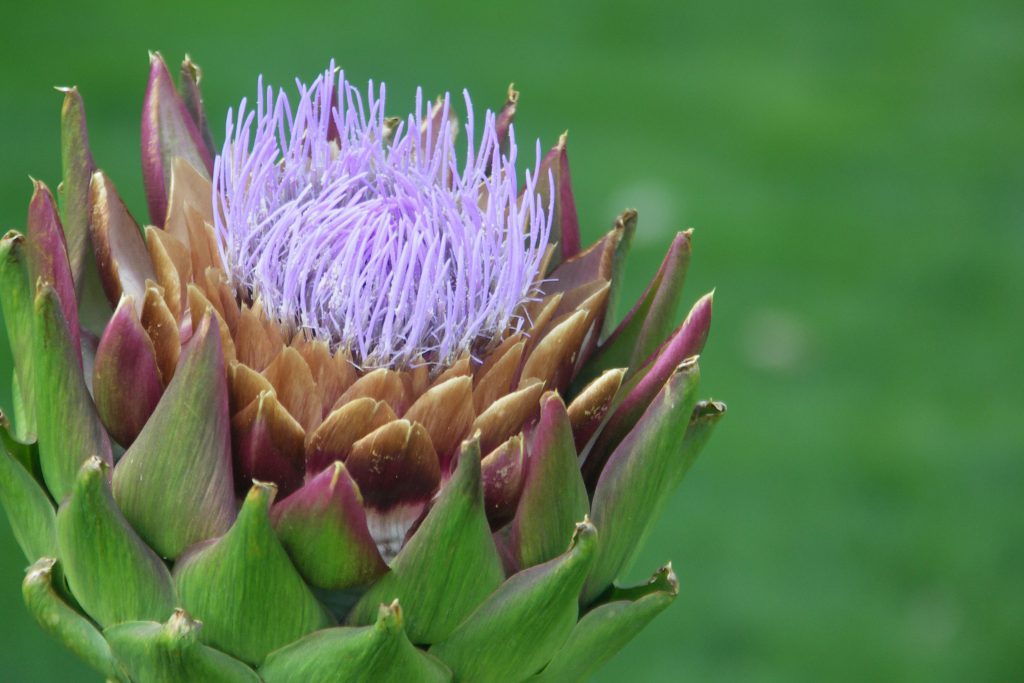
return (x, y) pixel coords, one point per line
(296, 407)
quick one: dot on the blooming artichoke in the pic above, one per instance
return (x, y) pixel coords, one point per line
(354, 406)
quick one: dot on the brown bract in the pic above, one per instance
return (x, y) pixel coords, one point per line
(297, 406)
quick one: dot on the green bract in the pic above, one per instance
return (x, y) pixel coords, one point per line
(207, 493)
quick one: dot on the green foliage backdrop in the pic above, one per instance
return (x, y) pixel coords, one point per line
(855, 175)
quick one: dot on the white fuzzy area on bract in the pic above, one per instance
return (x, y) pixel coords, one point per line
(389, 528)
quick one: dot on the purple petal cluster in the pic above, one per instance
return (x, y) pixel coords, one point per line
(368, 232)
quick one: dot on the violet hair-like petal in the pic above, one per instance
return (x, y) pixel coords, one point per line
(370, 235)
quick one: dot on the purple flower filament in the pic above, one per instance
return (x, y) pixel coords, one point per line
(364, 231)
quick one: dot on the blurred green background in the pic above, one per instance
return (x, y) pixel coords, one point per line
(855, 175)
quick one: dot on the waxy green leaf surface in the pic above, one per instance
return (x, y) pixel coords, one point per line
(112, 573)
(245, 590)
(64, 623)
(519, 627)
(185, 448)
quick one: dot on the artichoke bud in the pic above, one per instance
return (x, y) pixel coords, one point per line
(359, 405)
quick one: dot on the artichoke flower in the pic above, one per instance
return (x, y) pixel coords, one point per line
(354, 406)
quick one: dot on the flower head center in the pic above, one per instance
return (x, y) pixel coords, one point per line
(368, 232)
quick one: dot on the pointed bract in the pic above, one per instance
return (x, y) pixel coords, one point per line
(597, 262)
(28, 507)
(505, 117)
(520, 626)
(111, 572)
(625, 228)
(69, 428)
(553, 359)
(565, 226)
(65, 624)
(642, 473)
(499, 372)
(446, 412)
(163, 330)
(638, 390)
(245, 578)
(168, 131)
(366, 654)
(591, 405)
(168, 653)
(606, 628)
(172, 265)
(268, 444)
(25, 450)
(16, 297)
(448, 566)
(554, 497)
(121, 255)
(192, 96)
(686, 340)
(77, 167)
(506, 416)
(651, 318)
(126, 378)
(48, 257)
(342, 428)
(323, 528)
(503, 472)
(184, 450)
(190, 212)
(397, 472)
(381, 384)
(291, 377)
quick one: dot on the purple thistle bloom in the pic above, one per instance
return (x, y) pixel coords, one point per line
(378, 237)
(364, 231)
